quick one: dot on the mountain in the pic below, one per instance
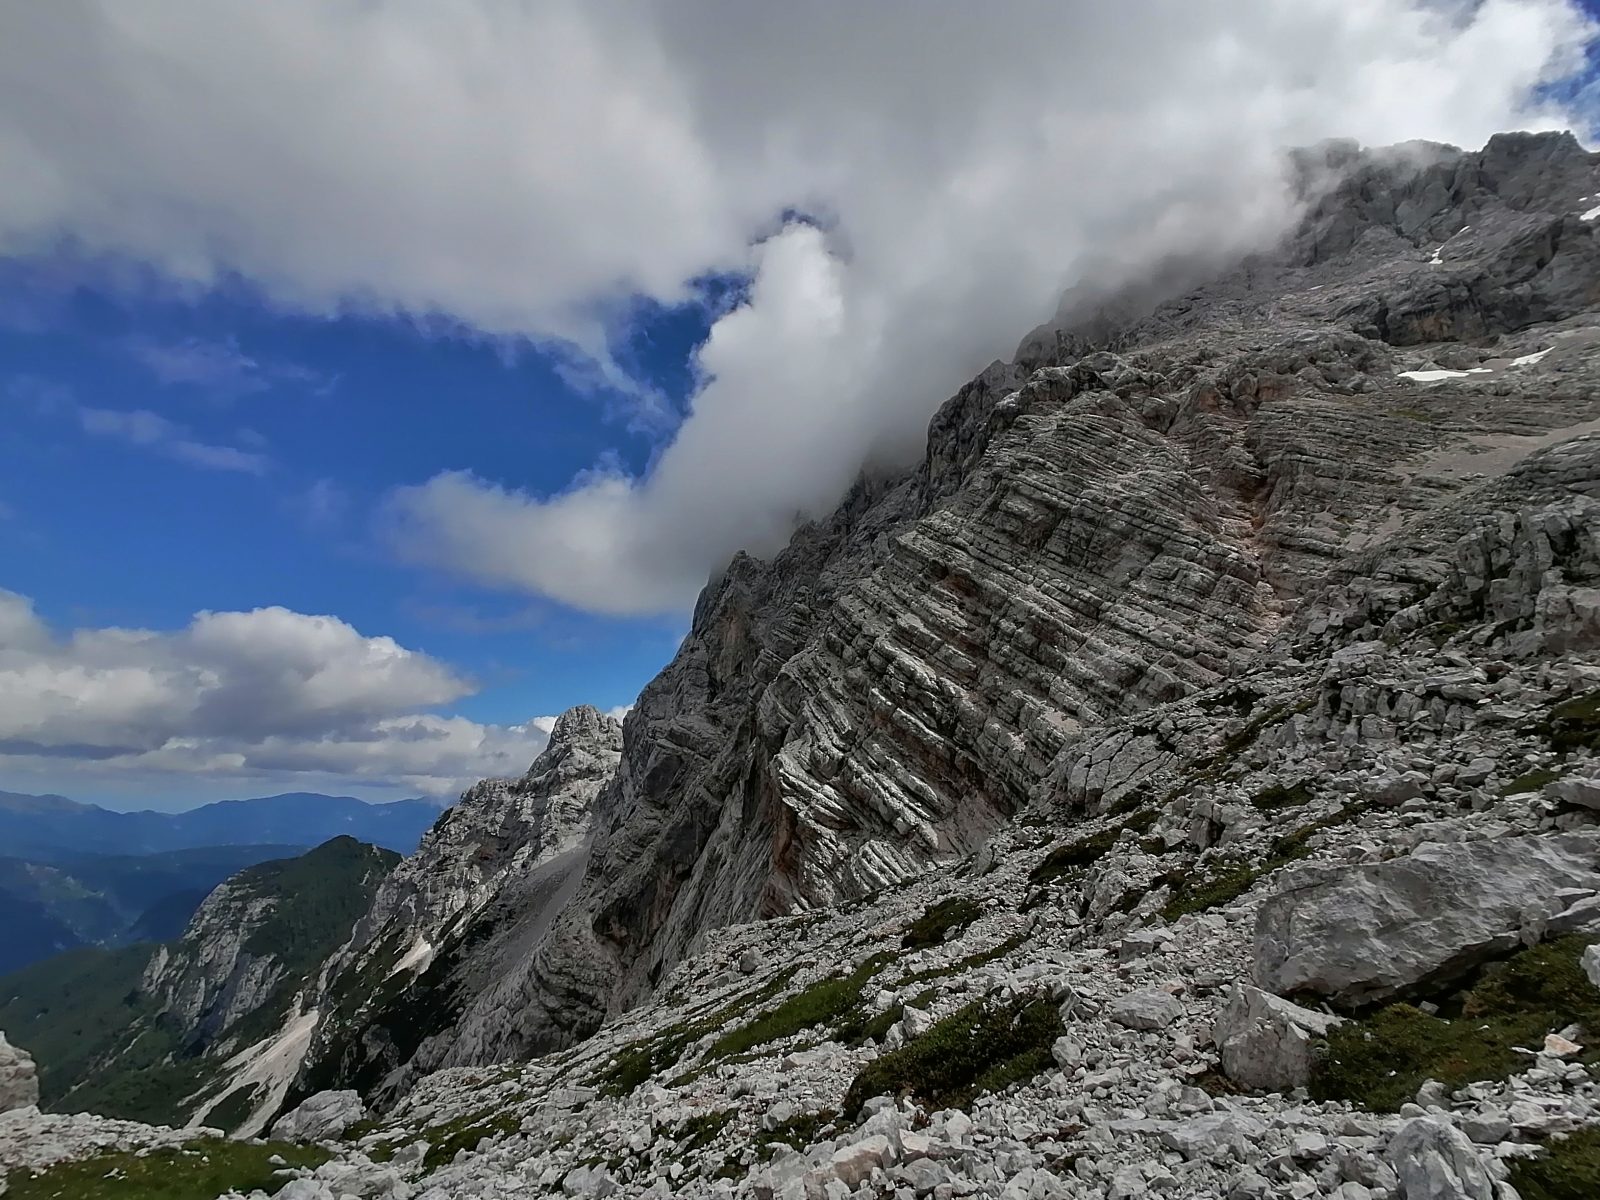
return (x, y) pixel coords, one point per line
(1184, 780)
(52, 828)
(91, 900)
(152, 1033)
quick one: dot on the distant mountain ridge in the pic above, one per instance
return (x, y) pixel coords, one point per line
(51, 828)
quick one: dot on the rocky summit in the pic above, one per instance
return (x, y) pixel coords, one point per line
(1184, 781)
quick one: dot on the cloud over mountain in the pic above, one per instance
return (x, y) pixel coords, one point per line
(523, 169)
(242, 695)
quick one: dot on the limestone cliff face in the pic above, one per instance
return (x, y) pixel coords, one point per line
(1126, 515)
(1144, 505)
(458, 915)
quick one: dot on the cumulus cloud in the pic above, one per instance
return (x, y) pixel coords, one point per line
(241, 694)
(522, 168)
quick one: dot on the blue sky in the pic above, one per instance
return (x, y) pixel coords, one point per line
(379, 380)
(328, 415)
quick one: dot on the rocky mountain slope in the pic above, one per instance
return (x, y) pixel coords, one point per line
(1182, 782)
(1114, 522)
(210, 1025)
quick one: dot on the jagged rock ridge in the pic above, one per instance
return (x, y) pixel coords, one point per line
(1092, 532)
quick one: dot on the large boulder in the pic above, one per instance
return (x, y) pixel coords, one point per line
(320, 1117)
(1436, 1161)
(1363, 934)
(19, 1081)
(1266, 1042)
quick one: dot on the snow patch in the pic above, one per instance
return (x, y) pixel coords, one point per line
(1529, 359)
(1436, 261)
(1435, 376)
(1590, 215)
(415, 959)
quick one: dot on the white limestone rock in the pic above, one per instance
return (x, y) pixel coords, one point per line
(1372, 932)
(1436, 1161)
(1151, 1009)
(1267, 1042)
(19, 1080)
(320, 1117)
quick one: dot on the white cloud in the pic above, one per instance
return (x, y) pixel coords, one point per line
(141, 427)
(521, 167)
(246, 695)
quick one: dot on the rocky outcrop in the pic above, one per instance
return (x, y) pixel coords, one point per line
(1267, 1043)
(1231, 649)
(319, 1118)
(19, 1081)
(1362, 935)
(1436, 1161)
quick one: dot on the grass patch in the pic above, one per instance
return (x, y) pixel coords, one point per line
(659, 1054)
(699, 1132)
(1532, 781)
(200, 1170)
(1279, 797)
(980, 1048)
(1569, 1169)
(797, 1133)
(825, 1002)
(1380, 1060)
(1063, 860)
(970, 962)
(1574, 723)
(464, 1133)
(1190, 895)
(936, 924)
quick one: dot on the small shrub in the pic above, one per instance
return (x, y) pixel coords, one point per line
(825, 1002)
(1574, 723)
(936, 924)
(982, 1047)
(797, 1133)
(1569, 1169)
(697, 1133)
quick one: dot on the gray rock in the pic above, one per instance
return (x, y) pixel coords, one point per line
(1581, 791)
(1435, 1161)
(19, 1080)
(320, 1117)
(1266, 1042)
(1214, 1137)
(1377, 930)
(1150, 1010)
(1591, 964)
